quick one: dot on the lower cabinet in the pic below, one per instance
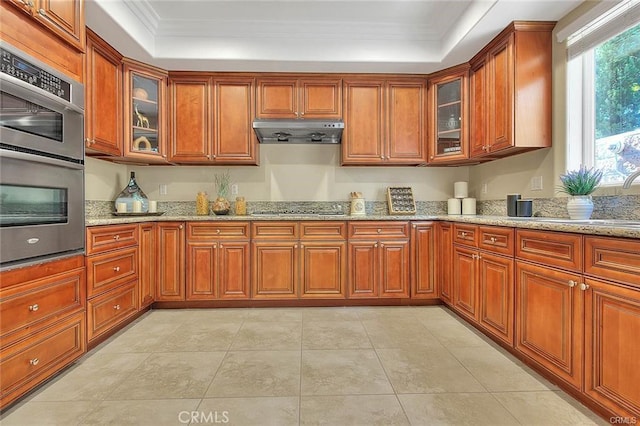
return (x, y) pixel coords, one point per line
(275, 269)
(147, 265)
(170, 278)
(323, 269)
(423, 282)
(444, 265)
(110, 309)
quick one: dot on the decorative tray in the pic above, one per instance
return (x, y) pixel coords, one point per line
(400, 200)
(137, 214)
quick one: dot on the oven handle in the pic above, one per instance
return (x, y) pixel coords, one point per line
(9, 80)
(17, 155)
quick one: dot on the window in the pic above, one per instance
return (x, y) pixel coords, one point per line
(604, 94)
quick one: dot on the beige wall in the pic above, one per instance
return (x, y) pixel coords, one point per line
(286, 173)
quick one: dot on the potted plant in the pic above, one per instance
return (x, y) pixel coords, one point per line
(221, 205)
(579, 185)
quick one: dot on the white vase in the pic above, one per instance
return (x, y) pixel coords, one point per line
(580, 207)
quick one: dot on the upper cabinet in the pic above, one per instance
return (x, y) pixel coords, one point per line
(385, 122)
(144, 112)
(103, 98)
(65, 19)
(510, 87)
(448, 112)
(299, 97)
(211, 118)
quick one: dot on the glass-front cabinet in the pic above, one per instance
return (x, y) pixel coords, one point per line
(448, 123)
(145, 124)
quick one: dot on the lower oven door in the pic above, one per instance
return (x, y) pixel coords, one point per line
(41, 207)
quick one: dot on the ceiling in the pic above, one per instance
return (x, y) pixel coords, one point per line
(397, 36)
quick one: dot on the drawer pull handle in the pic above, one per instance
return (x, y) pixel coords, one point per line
(217, 231)
(572, 283)
(463, 234)
(584, 286)
(379, 231)
(116, 307)
(34, 361)
(116, 237)
(116, 269)
(493, 240)
(34, 307)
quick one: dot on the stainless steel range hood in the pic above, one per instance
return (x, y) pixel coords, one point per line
(308, 131)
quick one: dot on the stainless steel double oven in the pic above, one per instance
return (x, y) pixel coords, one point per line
(41, 161)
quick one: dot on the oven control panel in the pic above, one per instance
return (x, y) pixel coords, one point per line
(17, 67)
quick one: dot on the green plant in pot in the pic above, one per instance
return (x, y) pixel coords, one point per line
(221, 205)
(579, 185)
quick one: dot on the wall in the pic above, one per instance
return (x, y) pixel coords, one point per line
(286, 173)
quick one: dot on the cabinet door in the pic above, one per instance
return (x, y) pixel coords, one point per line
(171, 251)
(233, 270)
(612, 327)
(394, 268)
(478, 138)
(501, 97)
(201, 270)
(234, 139)
(277, 98)
(190, 120)
(496, 288)
(320, 98)
(364, 269)
(407, 128)
(275, 270)
(103, 92)
(323, 270)
(147, 261)
(422, 256)
(444, 253)
(465, 285)
(549, 321)
(363, 136)
(65, 19)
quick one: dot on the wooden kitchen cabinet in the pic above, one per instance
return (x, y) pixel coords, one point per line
(385, 122)
(211, 119)
(465, 282)
(423, 282)
(170, 278)
(448, 112)
(323, 260)
(103, 93)
(378, 259)
(144, 112)
(217, 261)
(296, 97)
(111, 309)
(510, 87)
(147, 265)
(444, 266)
(275, 260)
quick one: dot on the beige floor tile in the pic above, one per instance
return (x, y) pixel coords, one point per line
(146, 336)
(353, 410)
(93, 379)
(275, 314)
(430, 370)
(330, 314)
(454, 333)
(262, 335)
(385, 312)
(433, 313)
(402, 333)
(257, 373)
(200, 337)
(496, 372)
(459, 409)
(547, 408)
(41, 413)
(334, 335)
(170, 375)
(144, 412)
(203, 316)
(263, 411)
(343, 372)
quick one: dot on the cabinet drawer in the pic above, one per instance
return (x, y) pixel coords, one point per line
(550, 248)
(110, 309)
(377, 230)
(323, 230)
(109, 270)
(497, 240)
(465, 234)
(36, 301)
(105, 238)
(33, 360)
(275, 230)
(613, 258)
(208, 231)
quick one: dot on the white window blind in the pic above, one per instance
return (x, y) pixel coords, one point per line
(618, 19)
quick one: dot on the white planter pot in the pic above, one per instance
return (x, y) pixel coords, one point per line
(580, 207)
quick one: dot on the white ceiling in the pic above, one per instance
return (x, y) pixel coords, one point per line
(398, 36)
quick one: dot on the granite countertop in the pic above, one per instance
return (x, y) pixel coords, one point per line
(563, 225)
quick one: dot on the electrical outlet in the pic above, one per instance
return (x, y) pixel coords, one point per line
(536, 183)
(163, 189)
(234, 189)
(485, 188)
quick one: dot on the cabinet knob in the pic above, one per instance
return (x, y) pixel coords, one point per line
(42, 12)
(379, 231)
(493, 240)
(34, 361)
(463, 234)
(34, 307)
(572, 283)
(180, 227)
(302, 113)
(214, 245)
(584, 286)
(432, 157)
(375, 245)
(116, 237)
(116, 307)
(217, 231)
(116, 269)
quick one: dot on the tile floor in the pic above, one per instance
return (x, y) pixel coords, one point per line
(299, 366)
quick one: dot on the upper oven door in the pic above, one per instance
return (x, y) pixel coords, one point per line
(33, 119)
